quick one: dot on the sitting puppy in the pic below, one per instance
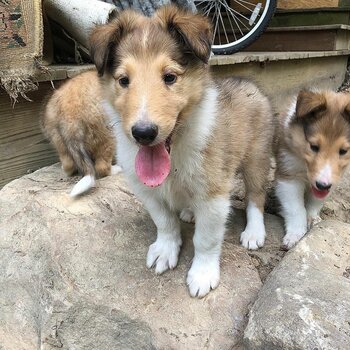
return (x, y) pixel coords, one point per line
(75, 123)
(182, 137)
(312, 153)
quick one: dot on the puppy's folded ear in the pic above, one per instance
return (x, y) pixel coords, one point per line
(309, 103)
(104, 39)
(192, 31)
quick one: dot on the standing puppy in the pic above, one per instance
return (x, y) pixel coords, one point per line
(182, 137)
(77, 126)
(312, 154)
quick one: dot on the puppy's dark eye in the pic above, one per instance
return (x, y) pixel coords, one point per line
(169, 78)
(314, 148)
(343, 151)
(124, 82)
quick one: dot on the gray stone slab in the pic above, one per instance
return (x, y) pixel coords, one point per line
(305, 302)
(73, 274)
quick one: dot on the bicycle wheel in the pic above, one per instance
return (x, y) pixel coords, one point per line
(236, 23)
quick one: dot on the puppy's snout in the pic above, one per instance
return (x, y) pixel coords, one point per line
(144, 133)
(322, 186)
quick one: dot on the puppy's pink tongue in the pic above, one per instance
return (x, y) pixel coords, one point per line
(152, 164)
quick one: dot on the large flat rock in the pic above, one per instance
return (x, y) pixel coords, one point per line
(73, 274)
(305, 302)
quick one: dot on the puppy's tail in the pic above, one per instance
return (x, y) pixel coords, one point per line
(85, 166)
(83, 185)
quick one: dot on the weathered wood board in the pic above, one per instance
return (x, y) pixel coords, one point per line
(22, 145)
(306, 4)
(304, 38)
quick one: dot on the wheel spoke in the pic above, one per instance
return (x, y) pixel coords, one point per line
(224, 3)
(223, 27)
(236, 18)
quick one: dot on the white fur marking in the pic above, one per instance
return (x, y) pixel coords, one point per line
(142, 113)
(290, 113)
(253, 237)
(291, 197)
(145, 38)
(85, 184)
(110, 112)
(116, 169)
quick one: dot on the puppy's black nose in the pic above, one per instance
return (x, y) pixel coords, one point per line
(144, 133)
(323, 186)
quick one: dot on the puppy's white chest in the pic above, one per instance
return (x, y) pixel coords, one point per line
(184, 183)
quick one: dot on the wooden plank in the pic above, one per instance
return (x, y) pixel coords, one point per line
(306, 18)
(22, 145)
(296, 41)
(306, 4)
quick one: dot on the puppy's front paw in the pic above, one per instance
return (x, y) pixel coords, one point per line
(187, 215)
(291, 239)
(252, 239)
(203, 275)
(313, 220)
(163, 254)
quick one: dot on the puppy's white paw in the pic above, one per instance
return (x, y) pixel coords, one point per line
(313, 220)
(252, 239)
(116, 169)
(163, 254)
(203, 276)
(291, 239)
(187, 215)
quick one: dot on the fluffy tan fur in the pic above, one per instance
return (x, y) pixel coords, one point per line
(78, 128)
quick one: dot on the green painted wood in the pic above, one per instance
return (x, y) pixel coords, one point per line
(344, 3)
(290, 19)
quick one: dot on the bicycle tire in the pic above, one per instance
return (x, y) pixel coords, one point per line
(253, 34)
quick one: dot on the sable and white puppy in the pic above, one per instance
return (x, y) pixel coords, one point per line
(312, 153)
(76, 124)
(182, 137)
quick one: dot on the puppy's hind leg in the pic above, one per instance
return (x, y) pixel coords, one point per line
(85, 165)
(255, 175)
(68, 164)
(67, 161)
